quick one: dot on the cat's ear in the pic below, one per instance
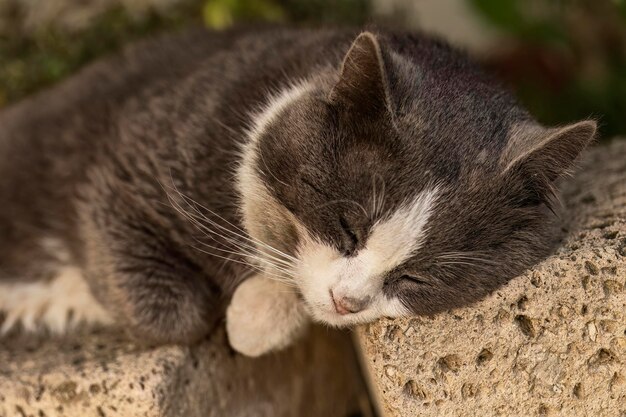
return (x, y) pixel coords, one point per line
(363, 85)
(547, 153)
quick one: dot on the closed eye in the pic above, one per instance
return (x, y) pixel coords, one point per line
(351, 240)
(412, 279)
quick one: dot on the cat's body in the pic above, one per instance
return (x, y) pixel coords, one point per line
(110, 142)
(140, 175)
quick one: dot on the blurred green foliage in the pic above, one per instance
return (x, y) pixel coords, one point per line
(31, 60)
(220, 14)
(346, 12)
(565, 59)
(223, 13)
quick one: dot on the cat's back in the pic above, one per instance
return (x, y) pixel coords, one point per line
(169, 62)
(144, 94)
(48, 141)
(239, 66)
(67, 121)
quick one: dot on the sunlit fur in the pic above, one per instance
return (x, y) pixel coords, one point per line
(384, 167)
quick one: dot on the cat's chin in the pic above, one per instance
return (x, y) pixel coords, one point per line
(334, 319)
(328, 316)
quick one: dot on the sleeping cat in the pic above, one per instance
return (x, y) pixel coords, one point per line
(297, 174)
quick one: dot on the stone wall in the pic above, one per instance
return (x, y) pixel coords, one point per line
(99, 373)
(551, 343)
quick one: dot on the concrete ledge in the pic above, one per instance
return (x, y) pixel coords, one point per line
(101, 374)
(552, 342)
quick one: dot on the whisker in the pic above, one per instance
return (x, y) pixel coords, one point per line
(235, 243)
(269, 171)
(248, 255)
(269, 275)
(374, 203)
(382, 199)
(194, 205)
(456, 263)
(378, 199)
(282, 273)
(474, 256)
(245, 237)
(239, 249)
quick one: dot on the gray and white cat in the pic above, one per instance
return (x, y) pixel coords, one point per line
(302, 174)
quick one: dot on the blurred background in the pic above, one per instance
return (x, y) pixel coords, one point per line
(565, 59)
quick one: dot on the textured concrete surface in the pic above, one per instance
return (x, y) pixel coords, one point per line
(102, 374)
(551, 343)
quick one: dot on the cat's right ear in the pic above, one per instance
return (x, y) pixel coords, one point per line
(363, 85)
(540, 156)
(549, 153)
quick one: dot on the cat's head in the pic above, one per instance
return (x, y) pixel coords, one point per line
(405, 182)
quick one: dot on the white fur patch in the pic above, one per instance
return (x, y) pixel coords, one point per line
(247, 181)
(391, 242)
(57, 305)
(275, 105)
(56, 248)
(253, 193)
(263, 316)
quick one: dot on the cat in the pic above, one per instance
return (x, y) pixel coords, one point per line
(273, 177)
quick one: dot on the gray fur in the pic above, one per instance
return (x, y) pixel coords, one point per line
(91, 161)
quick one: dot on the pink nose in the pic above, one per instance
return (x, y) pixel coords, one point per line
(348, 305)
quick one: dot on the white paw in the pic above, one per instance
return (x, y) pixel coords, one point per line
(58, 305)
(264, 316)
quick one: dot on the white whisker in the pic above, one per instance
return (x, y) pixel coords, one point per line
(237, 246)
(270, 275)
(230, 242)
(240, 235)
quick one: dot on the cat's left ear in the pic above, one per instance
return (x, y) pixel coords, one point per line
(363, 85)
(546, 154)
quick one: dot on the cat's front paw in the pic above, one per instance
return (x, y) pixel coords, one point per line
(264, 316)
